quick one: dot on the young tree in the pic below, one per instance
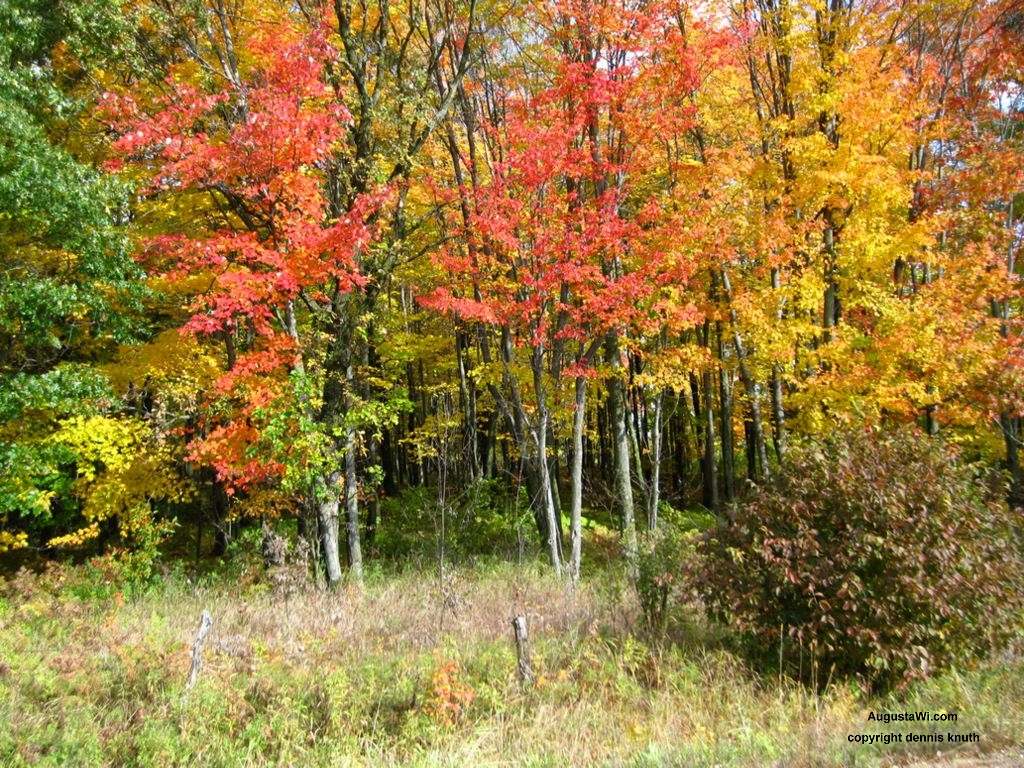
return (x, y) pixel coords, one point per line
(257, 145)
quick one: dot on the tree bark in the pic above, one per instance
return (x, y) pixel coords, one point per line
(653, 493)
(327, 513)
(620, 448)
(778, 410)
(576, 473)
(541, 437)
(725, 412)
(467, 399)
(355, 551)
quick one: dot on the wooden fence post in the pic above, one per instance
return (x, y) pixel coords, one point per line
(205, 623)
(522, 650)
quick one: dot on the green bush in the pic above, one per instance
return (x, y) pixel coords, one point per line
(665, 563)
(483, 519)
(883, 555)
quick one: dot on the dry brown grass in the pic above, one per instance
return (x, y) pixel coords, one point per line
(415, 670)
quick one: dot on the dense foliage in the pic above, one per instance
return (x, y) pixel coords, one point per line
(874, 553)
(470, 276)
(69, 289)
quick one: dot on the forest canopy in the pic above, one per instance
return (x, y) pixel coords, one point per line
(286, 261)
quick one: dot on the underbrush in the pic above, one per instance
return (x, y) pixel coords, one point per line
(883, 556)
(419, 670)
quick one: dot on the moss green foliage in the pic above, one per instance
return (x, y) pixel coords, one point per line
(879, 554)
(484, 519)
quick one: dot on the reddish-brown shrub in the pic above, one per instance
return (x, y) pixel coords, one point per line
(878, 554)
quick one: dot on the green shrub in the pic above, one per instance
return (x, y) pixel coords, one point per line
(884, 555)
(484, 519)
(665, 563)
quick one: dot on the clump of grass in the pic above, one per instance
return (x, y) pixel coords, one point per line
(413, 670)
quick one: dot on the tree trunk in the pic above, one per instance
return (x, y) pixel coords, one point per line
(681, 448)
(556, 491)
(467, 399)
(551, 516)
(831, 309)
(710, 470)
(1010, 427)
(778, 411)
(702, 408)
(1008, 423)
(223, 527)
(653, 495)
(355, 552)
(327, 514)
(753, 390)
(620, 448)
(576, 504)
(725, 412)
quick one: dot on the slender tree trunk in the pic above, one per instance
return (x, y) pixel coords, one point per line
(223, 526)
(620, 447)
(556, 492)
(603, 460)
(576, 504)
(778, 410)
(1008, 423)
(387, 458)
(830, 316)
(355, 552)
(725, 412)
(752, 387)
(653, 494)
(423, 417)
(632, 423)
(710, 469)
(753, 466)
(541, 436)
(703, 407)
(467, 399)
(522, 431)
(490, 438)
(1010, 428)
(373, 516)
(412, 467)
(681, 436)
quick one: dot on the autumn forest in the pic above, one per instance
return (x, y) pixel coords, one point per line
(689, 335)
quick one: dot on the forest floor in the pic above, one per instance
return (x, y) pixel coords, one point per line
(415, 670)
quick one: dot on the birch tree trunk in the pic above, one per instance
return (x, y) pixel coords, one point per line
(620, 449)
(576, 473)
(653, 493)
(541, 436)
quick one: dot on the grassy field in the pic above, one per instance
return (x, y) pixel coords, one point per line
(414, 670)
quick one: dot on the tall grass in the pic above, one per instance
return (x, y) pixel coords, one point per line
(417, 671)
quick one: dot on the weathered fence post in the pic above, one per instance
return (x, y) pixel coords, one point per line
(522, 650)
(205, 623)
